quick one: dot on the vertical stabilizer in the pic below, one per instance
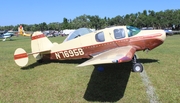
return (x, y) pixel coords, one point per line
(39, 43)
(20, 30)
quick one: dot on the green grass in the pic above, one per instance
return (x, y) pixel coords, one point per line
(63, 82)
(165, 74)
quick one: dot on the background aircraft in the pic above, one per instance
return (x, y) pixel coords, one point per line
(110, 45)
(22, 32)
(7, 34)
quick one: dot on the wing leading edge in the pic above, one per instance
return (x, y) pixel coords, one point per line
(116, 55)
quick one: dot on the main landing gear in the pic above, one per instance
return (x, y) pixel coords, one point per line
(137, 67)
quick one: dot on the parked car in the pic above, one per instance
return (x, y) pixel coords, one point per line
(147, 28)
(168, 32)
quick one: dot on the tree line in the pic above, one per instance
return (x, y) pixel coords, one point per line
(147, 18)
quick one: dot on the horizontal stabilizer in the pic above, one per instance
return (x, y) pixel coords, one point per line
(21, 57)
(41, 52)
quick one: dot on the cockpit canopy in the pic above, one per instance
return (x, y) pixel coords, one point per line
(77, 33)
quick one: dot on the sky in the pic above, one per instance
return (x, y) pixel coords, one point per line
(15, 12)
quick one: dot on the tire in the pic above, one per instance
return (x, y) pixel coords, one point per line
(137, 67)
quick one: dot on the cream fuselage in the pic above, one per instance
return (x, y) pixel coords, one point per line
(87, 46)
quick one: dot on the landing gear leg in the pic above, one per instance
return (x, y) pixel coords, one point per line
(4, 39)
(137, 67)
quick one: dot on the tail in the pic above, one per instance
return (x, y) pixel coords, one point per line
(40, 45)
(22, 32)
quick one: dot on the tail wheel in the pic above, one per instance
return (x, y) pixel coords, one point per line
(137, 67)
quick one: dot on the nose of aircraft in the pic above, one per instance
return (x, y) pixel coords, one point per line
(158, 37)
(163, 36)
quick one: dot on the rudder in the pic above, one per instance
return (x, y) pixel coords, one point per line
(39, 43)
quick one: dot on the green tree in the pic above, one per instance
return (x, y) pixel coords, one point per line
(95, 22)
(81, 21)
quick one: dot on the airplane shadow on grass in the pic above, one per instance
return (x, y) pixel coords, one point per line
(108, 85)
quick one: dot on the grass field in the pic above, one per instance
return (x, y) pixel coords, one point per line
(63, 82)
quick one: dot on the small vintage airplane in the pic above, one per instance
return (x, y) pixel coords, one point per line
(22, 32)
(110, 45)
(7, 34)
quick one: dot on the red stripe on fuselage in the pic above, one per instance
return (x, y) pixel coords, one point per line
(37, 36)
(20, 56)
(137, 41)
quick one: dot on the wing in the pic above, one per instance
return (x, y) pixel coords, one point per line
(117, 55)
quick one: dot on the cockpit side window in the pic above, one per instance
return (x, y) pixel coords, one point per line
(100, 37)
(119, 33)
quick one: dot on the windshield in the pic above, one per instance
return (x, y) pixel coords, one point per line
(77, 33)
(132, 30)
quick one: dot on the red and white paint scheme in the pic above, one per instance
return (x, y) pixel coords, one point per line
(110, 45)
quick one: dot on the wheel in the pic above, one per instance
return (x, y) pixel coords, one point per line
(137, 67)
